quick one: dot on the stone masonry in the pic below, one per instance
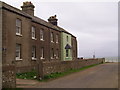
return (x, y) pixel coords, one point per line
(61, 66)
(8, 76)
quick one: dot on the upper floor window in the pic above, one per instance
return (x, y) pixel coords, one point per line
(57, 38)
(52, 37)
(18, 51)
(33, 52)
(42, 53)
(33, 33)
(41, 35)
(18, 26)
(67, 39)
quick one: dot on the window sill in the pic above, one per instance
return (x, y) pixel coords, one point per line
(34, 38)
(42, 58)
(34, 58)
(18, 59)
(52, 58)
(42, 40)
(52, 42)
(18, 34)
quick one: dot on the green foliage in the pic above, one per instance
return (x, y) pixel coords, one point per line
(27, 75)
(33, 74)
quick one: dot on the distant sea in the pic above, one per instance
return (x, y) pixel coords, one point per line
(108, 59)
(111, 59)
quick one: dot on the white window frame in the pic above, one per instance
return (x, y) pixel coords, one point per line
(41, 35)
(52, 53)
(33, 32)
(18, 27)
(42, 53)
(18, 50)
(52, 37)
(57, 37)
(34, 53)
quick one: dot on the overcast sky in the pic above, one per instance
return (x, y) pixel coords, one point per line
(95, 24)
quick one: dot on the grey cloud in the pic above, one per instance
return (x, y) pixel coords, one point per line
(95, 24)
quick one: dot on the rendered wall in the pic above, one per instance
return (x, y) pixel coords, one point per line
(63, 44)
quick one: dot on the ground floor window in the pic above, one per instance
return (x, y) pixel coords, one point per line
(18, 51)
(52, 53)
(67, 52)
(42, 53)
(57, 53)
(33, 52)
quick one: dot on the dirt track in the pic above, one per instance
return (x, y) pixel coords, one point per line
(101, 76)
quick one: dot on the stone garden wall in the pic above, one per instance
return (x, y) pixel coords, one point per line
(8, 76)
(61, 66)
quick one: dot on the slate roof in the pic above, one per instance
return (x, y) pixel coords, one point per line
(34, 18)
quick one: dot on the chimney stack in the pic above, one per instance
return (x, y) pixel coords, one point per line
(28, 7)
(53, 20)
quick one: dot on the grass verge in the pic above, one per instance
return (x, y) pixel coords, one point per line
(61, 74)
(32, 75)
(27, 75)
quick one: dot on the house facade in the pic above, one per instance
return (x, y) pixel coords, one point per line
(66, 46)
(27, 40)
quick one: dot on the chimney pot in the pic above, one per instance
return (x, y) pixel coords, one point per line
(53, 20)
(28, 7)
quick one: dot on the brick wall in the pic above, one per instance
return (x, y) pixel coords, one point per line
(8, 76)
(61, 66)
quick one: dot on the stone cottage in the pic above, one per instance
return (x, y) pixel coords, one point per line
(28, 40)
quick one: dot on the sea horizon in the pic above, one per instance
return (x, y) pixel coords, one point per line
(107, 59)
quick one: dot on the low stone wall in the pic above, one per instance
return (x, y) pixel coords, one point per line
(26, 68)
(8, 76)
(61, 66)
